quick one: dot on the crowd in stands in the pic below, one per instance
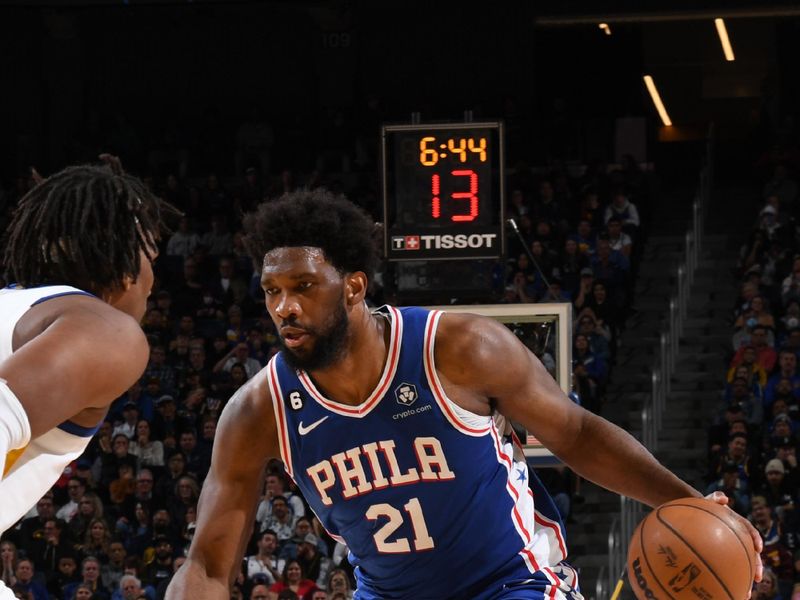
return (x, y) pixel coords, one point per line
(119, 521)
(753, 437)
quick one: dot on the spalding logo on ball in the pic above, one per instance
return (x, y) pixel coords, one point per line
(691, 549)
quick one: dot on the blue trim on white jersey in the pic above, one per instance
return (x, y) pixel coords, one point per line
(79, 430)
(75, 293)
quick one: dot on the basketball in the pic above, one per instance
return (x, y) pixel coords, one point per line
(691, 548)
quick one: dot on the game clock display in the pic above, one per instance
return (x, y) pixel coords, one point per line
(443, 194)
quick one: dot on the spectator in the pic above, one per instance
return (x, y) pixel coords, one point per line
(176, 468)
(731, 421)
(55, 544)
(776, 554)
(339, 583)
(302, 528)
(198, 460)
(757, 310)
(97, 541)
(274, 486)
(315, 565)
(729, 484)
(167, 422)
(585, 238)
(618, 239)
(76, 488)
(26, 583)
(589, 373)
(187, 492)
(281, 521)
(261, 591)
(111, 461)
(293, 579)
(766, 357)
(89, 507)
(785, 449)
(183, 241)
(66, 573)
(130, 588)
(622, 208)
(239, 354)
(265, 562)
(752, 408)
(8, 558)
(130, 417)
(160, 569)
(787, 364)
(32, 528)
(612, 267)
(777, 491)
(749, 359)
(217, 239)
(90, 577)
(112, 572)
(767, 588)
(596, 333)
(158, 368)
(149, 452)
(161, 590)
(737, 453)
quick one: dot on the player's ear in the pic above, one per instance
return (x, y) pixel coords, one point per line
(355, 287)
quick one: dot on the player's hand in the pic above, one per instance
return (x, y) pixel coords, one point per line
(758, 543)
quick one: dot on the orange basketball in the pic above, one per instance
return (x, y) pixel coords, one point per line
(691, 548)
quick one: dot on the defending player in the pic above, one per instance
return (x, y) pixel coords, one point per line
(79, 248)
(394, 424)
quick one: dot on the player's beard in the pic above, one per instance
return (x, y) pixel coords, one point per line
(328, 343)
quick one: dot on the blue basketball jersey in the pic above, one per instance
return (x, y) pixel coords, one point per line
(431, 500)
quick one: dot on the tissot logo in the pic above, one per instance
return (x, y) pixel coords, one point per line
(445, 241)
(406, 394)
(405, 242)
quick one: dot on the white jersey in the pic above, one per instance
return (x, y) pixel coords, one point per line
(32, 470)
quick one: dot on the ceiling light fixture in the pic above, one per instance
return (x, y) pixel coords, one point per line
(724, 40)
(662, 112)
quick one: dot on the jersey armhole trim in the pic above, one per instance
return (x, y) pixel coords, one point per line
(463, 420)
(280, 416)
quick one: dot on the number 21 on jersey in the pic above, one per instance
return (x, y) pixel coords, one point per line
(422, 540)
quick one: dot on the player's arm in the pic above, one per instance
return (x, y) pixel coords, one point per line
(479, 353)
(85, 358)
(246, 439)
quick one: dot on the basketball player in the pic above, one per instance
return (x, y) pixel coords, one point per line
(79, 248)
(395, 425)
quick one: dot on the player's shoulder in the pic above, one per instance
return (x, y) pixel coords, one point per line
(101, 321)
(465, 328)
(469, 338)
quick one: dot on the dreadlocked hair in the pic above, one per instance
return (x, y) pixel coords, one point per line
(84, 226)
(316, 218)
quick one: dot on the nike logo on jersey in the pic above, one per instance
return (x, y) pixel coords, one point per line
(303, 430)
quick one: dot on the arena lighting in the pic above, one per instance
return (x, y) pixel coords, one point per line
(662, 112)
(606, 29)
(723, 38)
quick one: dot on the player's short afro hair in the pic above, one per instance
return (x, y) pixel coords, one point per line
(316, 218)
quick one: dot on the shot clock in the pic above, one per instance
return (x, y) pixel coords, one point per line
(443, 194)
